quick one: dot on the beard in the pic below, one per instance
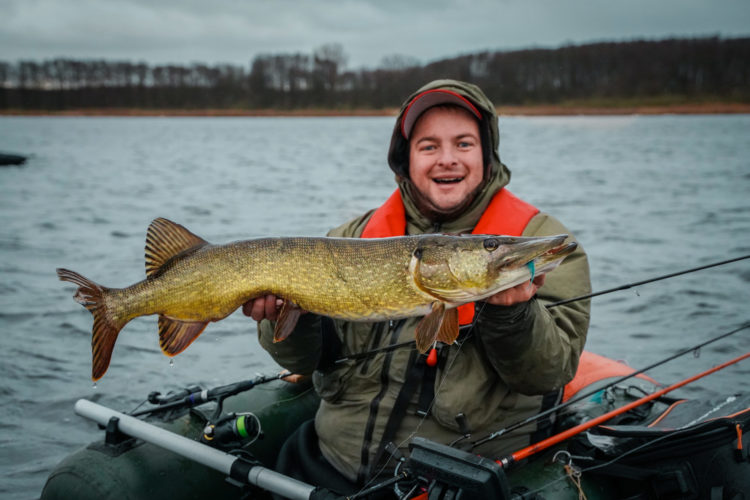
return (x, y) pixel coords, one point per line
(437, 214)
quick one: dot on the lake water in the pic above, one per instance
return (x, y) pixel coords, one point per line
(645, 195)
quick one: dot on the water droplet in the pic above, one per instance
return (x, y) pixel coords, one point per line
(697, 352)
(171, 363)
(637, 293)
(94, 386)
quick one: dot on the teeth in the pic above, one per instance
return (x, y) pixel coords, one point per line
(446, 181)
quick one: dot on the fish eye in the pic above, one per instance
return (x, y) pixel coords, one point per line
(491, 244)
(418, 253)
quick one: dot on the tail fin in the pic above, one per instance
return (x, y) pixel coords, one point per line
(105, 330)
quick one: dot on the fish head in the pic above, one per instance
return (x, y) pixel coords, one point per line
(460, 269)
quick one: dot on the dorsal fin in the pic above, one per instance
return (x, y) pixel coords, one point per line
(164, 240)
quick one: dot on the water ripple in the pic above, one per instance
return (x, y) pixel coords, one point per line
(636, 190)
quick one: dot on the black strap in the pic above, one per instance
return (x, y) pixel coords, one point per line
(331, 346)
(240, 470)
(413, 376)
(545, 426)
(417, 373)
(427, 394)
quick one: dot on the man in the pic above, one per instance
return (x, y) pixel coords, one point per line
(513, 355)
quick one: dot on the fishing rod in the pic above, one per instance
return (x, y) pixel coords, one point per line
(195, 395)
(581, 397)
(523, 453)
(650, 280)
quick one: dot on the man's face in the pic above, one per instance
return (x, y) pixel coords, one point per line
(445, 157)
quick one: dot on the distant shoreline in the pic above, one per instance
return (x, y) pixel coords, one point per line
(528, 110)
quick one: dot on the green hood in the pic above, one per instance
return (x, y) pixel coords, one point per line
(496, 173)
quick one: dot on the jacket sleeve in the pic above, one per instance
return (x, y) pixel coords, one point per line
(298, 353)
(534, 349)
(301, 351)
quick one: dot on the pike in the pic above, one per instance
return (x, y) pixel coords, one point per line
(190, 282)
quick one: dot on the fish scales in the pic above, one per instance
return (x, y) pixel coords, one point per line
(338, 277)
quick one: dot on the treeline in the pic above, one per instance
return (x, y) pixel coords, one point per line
(691, 69)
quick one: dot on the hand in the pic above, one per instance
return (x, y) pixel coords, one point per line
(294, 378)
(266, 307)
(517, 294)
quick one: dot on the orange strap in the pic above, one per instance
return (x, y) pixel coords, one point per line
(506, 214)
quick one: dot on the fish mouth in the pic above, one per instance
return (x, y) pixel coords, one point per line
(520, 251)
(561, 250)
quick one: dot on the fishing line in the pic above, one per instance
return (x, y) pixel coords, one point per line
(287, 400)
(650, 280)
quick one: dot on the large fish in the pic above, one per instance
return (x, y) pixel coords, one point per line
(190, 282)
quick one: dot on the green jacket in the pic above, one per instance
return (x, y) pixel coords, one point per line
(495, 375)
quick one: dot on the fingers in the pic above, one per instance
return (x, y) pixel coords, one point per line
(269, 307)
(517, 294)
(266, 307)
(295, 378)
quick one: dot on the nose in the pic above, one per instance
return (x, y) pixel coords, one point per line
(447, 157)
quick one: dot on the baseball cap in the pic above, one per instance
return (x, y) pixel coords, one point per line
(429, 98)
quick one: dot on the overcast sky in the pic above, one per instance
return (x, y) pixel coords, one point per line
(234, 31)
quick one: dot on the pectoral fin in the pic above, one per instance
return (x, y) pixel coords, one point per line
(176, 335)
(440, 324)
(288, 317)
(448, 332)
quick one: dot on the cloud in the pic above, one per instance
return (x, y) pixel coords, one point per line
(183, 31)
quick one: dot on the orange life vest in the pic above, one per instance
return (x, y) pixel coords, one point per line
(506, 214)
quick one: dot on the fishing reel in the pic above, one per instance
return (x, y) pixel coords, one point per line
(232, 429)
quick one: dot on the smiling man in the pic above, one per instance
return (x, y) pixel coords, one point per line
(513, 355)
(445, 159)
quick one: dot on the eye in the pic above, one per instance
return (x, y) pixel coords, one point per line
(491, 244)
(418, 253)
